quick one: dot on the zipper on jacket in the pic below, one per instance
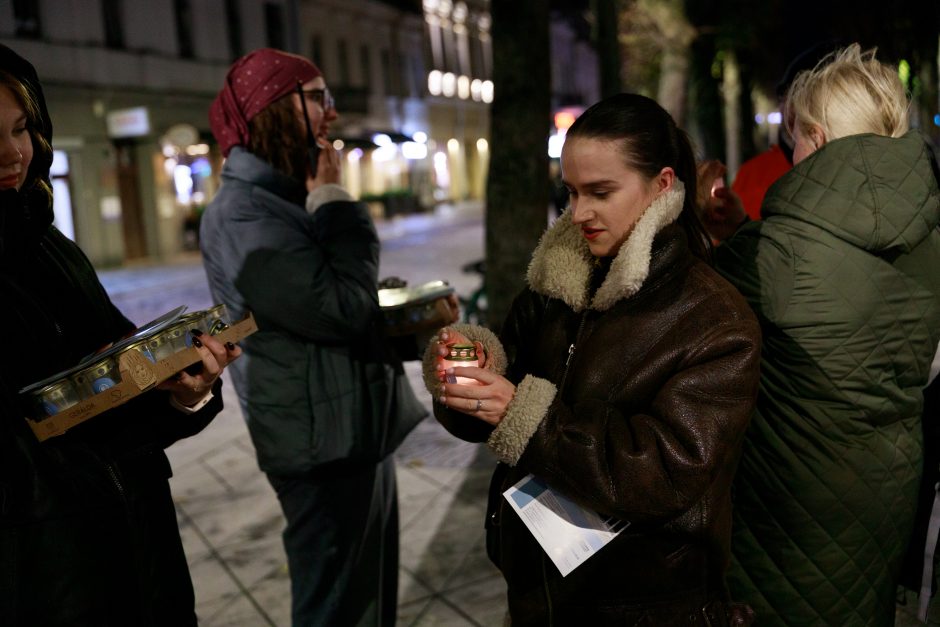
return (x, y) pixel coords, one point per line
(112, 472)
(571, 349)
(60, 332)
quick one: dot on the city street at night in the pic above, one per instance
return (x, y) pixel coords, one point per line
(709, 231)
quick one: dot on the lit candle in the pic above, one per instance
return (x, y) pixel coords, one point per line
(461, 356)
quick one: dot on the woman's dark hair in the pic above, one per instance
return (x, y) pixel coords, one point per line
(38, 170)
(651, 141)
(275, 136)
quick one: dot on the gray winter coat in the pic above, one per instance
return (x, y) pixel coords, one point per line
(318, 381)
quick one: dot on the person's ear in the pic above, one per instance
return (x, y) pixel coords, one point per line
(664, 180)
(818, 136)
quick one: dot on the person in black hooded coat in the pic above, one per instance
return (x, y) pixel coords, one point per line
(88, 531)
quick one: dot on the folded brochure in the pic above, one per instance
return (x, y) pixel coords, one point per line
(568, 533)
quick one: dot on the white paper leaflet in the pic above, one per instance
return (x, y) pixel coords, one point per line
(567, 532)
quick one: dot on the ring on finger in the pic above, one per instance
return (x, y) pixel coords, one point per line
(479, 405)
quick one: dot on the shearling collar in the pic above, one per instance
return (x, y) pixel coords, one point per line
(562, 262)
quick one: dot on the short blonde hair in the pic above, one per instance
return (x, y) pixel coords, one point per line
(849, 92)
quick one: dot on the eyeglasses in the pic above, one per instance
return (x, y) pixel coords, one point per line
(322, 97)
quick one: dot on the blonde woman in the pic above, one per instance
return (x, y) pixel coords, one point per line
(842, 273)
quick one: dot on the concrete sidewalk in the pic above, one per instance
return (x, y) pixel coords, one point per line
(231, 522)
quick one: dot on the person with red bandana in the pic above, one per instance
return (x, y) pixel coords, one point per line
(322, 389)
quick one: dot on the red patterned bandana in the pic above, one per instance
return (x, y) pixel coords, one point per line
(252, 83)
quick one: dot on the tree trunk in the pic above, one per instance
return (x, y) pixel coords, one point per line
(676, 36)
(606, 37)
(731, 93)
(705, 123)
(517, 193)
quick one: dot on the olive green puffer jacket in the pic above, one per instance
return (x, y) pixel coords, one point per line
(844, 275)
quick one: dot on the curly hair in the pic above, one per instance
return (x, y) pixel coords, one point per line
(275, 135)
(849, 92)
(38, 173)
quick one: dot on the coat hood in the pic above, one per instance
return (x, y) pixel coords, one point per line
(878, 193)
(562, 263)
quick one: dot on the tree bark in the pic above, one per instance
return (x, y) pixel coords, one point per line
(606, 36)
(517, 193)
(705, 114)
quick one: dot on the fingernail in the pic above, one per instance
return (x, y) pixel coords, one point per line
(196, 332)
(441, 400)
(230, 346)
(197, 343)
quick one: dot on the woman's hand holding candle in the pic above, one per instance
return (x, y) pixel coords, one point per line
(470, 389)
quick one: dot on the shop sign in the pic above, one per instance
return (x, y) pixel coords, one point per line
(128, 122)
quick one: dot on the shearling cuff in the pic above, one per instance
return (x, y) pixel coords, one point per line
(495, 353)
(330, 192)
(525, 412)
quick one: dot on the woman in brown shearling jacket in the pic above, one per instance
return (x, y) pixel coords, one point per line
(632, 374)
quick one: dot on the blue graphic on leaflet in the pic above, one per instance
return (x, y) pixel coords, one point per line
(528, 492)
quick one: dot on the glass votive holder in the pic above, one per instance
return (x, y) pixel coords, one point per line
(53, 398)
(461, 356)
(96, 378)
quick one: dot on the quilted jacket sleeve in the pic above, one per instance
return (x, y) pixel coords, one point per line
(758, 260)
(315, 277)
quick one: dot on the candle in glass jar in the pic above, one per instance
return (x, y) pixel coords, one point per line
(461, 356)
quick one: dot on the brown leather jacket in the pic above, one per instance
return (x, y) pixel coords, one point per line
(642, 419)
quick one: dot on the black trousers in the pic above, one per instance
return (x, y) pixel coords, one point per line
(342, 545)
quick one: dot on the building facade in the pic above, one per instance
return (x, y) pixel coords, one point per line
(129, 84)
(409, 85)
